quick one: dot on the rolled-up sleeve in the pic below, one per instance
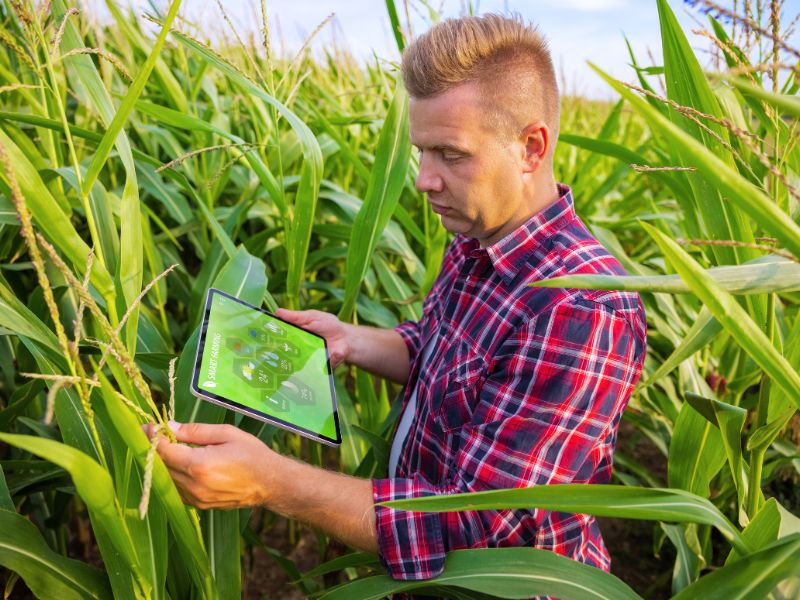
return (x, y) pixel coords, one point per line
(547, 414)
(411, 333)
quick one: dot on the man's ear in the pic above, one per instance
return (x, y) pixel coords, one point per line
(535, 139)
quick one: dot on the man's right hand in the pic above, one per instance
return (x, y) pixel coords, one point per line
(324, 324)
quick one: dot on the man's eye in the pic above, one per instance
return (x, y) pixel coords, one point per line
(450, 156)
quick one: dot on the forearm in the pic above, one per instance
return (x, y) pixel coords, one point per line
(337, 504)
(379, 351)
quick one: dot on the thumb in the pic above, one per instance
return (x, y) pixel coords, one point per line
(202, 434)
(298, 317)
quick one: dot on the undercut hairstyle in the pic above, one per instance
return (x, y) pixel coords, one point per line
(508, 59)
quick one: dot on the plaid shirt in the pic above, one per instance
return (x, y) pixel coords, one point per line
(525, 386)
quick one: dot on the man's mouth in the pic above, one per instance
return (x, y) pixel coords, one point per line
(439, 210)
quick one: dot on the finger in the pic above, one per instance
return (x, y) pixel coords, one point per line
(150, 430)
(298, 317)
(177, 457)
(203, 434)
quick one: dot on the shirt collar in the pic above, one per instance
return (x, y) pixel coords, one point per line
(509, 254)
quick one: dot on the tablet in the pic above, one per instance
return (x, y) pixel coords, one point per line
(253, 362)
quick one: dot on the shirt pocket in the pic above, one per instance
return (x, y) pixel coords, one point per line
(462, 371)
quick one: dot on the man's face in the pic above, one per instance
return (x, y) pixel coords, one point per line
(473, 175)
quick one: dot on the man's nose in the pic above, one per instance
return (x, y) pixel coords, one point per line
(428, 178)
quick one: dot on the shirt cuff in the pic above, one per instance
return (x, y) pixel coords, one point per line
(410, 544)
(409, 331)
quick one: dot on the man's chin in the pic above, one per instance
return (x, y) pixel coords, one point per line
(454, 224)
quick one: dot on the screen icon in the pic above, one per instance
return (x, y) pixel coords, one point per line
(275, 329)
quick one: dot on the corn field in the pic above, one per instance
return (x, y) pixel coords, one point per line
(140, 166)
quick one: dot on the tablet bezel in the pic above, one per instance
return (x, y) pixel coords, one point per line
(251, 412)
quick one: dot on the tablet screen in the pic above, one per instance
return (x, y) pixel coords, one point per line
(252, 361)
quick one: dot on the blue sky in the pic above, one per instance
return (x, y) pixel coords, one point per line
(578, 30)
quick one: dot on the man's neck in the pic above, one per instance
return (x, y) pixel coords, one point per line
(543, 194)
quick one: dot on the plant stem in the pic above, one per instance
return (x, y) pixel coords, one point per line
(759, 418)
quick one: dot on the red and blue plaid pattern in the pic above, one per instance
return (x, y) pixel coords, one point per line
(525, 386)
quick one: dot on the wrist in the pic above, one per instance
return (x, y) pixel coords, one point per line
(285, 486)
(350, 339)
(271, 471)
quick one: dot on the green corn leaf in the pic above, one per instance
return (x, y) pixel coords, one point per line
(737, 189)
(77, 132)
(383, 192)
(604, 147)
(169, 83)
(761, 276)
(224, 546)
(696, 454)
(89, 88)
(150, 534)
(501, 573)
(780, 403)
(116, 125)
(174, 118)
(128, 427)
(732, 316)
(602, 500)
(703, 331)
(752, 576)
(784, 103)
(762, 530)
(730, 421)
(20, 320)
(103, 215)
(47, 574)
(355, 559)
(397, 289)
(95, 488)
(6, 503)
(688, 86)
(762, 437)
(397, 31)
(131, 261)
(8, 214)
(310, 172)
(49, 218)
(687, 563)
(352, 448)
(72, 421)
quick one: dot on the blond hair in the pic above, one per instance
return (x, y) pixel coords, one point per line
(508, 59)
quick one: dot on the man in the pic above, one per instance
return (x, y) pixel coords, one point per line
(507, 385)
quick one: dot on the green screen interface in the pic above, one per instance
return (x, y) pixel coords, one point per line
(268, 365)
